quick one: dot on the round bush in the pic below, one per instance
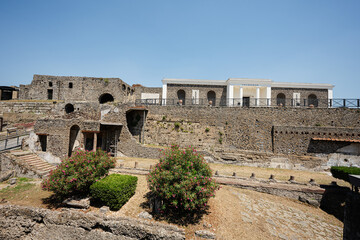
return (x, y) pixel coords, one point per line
(114, 190)
(76, 174)
(182, 180)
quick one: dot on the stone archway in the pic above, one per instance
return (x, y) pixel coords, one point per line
(211, 97)
(281, 99)
(313, 100)
(181, 96)
(106, 97)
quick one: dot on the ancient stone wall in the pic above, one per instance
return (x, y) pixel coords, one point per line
(299, 140)
(242, 128)
(17, 222)
(76, 89)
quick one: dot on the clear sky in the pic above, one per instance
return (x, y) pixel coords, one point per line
(143, 41)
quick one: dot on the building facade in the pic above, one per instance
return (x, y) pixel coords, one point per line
(245, 92)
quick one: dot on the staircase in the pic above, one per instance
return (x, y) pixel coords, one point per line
(34, 162)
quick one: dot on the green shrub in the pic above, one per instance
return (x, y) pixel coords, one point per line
(177, 125)
(75, 174)
(207, 129)
(343, 172)
(182, 180)
(114, 190)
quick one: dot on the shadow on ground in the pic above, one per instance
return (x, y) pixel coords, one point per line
(333, 200)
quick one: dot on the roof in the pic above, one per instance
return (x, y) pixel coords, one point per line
(337, 140)
(248, 82)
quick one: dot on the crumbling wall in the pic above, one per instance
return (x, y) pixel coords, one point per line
(17, 222)
(76, 88)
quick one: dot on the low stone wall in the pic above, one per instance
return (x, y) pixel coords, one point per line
(17, 222)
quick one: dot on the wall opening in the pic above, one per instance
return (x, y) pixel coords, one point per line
(108, 138)
(74, 133)
(280, 99)
(50, 94)
(123, 87)
(69, 108)
(43, 142)
(181, 97)
(50, 84)
(312, 100)
(135, 123)
(211, 97)
(70, 85)
(106, 97)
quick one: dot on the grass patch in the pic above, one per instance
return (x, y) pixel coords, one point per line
(21, 187)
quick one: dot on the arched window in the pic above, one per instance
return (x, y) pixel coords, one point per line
(123, 87)
(211, 97)
(106, 97)
(280, 99)
(181, 97)
(312, 100)
(69, 108)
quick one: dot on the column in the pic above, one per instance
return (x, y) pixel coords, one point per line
(164, 94)
(268, 96)
(330, 97)
(230, 95)
(241, 95)
(257, 100)
(95, 142)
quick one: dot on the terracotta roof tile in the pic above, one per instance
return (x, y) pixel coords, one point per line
(337, 140)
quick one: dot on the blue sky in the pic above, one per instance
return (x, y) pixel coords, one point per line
(142, 41)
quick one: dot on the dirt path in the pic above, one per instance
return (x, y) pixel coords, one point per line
(243, 214)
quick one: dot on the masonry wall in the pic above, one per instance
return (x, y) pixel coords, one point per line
(76, 88)
(220, 92)
(244, 128)
(295, 140)
(321, 94)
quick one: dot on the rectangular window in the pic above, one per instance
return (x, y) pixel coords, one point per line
(50, 94)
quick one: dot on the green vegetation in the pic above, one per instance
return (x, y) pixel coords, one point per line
(182, 180)
(177, 125)
(76, 174)
(164, 118)
(20, 187)
(343, 172)
(114, 190)
(207, 129)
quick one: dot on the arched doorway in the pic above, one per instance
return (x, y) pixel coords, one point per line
(74, 133)
(69, 108)
(312, 100)
(280, 99)
(211, 97)
(106, 97)
(181, 97)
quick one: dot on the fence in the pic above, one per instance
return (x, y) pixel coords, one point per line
(12, 139)
(254, 102)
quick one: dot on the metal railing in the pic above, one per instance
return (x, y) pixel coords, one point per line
(12, 139)
(254, 102)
